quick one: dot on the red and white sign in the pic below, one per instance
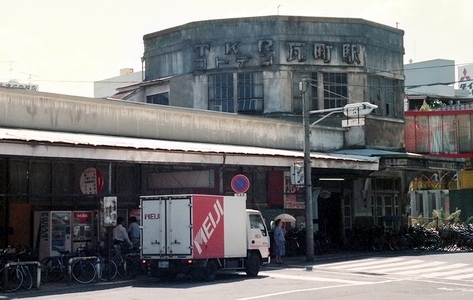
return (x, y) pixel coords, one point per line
(465, 78)
(91, 181)
(82, 217)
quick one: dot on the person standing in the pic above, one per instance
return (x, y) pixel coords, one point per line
(279, 241)
(120, 236)
(134, 232)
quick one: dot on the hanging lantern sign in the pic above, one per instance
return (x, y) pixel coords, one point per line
(91, 181)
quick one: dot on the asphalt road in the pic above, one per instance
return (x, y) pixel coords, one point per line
(346, 276)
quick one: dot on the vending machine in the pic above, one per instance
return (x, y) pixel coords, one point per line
(52, 232)
(63, 231)
(83, 228)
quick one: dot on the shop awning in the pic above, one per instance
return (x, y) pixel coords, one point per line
(37, 143)
(408, 161)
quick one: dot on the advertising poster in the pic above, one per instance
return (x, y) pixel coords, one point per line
(109, 211)
(465, 78)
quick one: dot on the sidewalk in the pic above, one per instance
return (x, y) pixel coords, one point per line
(60, 287)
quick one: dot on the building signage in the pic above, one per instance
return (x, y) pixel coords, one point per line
(109, 211)
(91, 181)
(465, 78)
(16, 85)
(293, 194)
(297, 52)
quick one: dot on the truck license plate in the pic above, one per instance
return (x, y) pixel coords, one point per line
(163, 264)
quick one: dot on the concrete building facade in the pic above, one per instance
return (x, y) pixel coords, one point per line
(221, 98)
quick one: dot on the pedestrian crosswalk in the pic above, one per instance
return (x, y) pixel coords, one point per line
(404, 266)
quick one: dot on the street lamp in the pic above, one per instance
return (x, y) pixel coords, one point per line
(351, 111)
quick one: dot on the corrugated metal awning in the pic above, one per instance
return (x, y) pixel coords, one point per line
(409, 161)
(25, 142)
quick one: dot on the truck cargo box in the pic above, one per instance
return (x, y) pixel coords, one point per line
(193, 226)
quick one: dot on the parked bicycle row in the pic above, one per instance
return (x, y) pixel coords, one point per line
(296, 242)
(19, 269)
(448, 237)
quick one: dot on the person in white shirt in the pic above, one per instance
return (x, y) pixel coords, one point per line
(120, 236)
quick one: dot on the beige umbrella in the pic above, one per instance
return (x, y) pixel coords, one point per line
(286, 218)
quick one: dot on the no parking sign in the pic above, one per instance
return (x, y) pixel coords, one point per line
(240, 184)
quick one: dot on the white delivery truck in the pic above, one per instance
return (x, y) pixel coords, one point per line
(201, 234)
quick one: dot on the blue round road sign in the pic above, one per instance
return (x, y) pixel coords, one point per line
(240, 183)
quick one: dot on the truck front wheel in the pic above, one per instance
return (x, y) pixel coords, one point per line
(252, 265)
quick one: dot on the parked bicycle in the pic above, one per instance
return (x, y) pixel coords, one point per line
(82, 269)
(388, 239)
(128, 263)
(106, 268)
(14, 275)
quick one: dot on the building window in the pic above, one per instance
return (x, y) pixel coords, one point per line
(162, 99)
(335, 90)
(383, 92)
(314, 99)
(465, 133)
(250, 92)
(221, 92)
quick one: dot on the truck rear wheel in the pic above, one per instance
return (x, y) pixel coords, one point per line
(207, 273)
(252, 265)
(210, 271)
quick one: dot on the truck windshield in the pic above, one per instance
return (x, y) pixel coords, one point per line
(257, 223)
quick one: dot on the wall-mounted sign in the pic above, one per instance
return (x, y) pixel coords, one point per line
(91, 181)
(109, 211)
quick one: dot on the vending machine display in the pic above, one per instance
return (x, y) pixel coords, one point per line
(53, 232)
(82, 228)
(60, 231)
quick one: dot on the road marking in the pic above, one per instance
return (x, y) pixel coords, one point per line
(355, 283)
(443, 274)
(443, 266)
(405, 267)
(310, 278)
(459, 277)
(365, 262)
(387, 266)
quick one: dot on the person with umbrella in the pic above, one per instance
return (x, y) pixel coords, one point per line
(279, 241)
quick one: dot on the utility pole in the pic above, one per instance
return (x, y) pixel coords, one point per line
(309, 223)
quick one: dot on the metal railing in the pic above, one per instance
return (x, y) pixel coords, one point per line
(22, 263)
(76, 258)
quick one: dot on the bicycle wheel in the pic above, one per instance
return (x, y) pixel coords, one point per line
(54, 269)
(44, 274)
(27, 277)
(14, 278)
(432, 242)
(133, 267)
(105, 270)
(378, 243)
(83, 271)
(122, 267)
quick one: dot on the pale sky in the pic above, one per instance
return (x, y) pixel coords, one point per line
(64, 46)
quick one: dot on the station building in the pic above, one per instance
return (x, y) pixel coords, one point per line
(220, 98)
